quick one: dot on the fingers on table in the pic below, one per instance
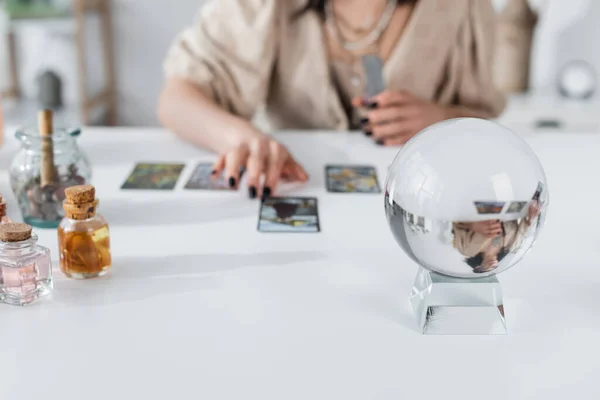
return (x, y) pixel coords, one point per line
(293, 172)
(256, 166)
(218, 166)
(233, 162)
(301, 172)
(276, 160)
(263, 157)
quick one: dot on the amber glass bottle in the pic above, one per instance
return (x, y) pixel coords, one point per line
(83, 236)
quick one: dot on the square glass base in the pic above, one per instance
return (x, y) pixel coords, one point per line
(453, 306)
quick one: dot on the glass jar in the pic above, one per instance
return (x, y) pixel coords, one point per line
(84, 247)
(42, 207)
(25, 267)
(83, 235)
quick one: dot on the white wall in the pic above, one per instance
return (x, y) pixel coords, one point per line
(145, 28)
(563, 26)
(3, 53)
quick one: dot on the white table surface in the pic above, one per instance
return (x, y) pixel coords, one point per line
(199, 305)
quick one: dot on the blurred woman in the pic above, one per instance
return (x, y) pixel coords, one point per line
(303, 61)
(486, 243)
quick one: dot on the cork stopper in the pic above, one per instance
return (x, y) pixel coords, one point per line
(80, 202)
(12, 232)
(80, 194)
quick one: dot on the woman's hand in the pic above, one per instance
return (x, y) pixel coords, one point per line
(489, 264)
(490, 228)
(395, 117)
(260, 155)
(534, 209)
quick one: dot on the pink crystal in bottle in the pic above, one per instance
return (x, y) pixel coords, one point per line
(25, 267)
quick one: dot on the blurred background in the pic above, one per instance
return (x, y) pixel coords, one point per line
(99, 62)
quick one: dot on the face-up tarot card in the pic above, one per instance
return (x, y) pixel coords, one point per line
(289, 214)
(202, 179)
(489, 207)
(538, 191)
(149, 176)
(351, 179)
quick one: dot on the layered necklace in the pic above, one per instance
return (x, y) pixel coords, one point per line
(369, 39)
(361, 46)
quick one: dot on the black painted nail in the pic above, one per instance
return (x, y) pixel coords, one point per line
(372, 105)
(380, 142)
(266, 193)
(252, 192)
(364, 121)
(368, 133)
(231, 182)
(214, 171)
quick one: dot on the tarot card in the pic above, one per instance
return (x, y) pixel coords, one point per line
(489, 207)
(538, 191)
(149, 176)
(202, 179)
(373, 66)
(351, 179)
(516, 206)
(289, 214)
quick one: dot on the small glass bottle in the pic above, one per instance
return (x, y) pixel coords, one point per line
(83, 237)
(48, 162)
(25, 267)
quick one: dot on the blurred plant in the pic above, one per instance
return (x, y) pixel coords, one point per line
(31, 8)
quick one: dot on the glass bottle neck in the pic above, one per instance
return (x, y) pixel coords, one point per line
(82, 220)
(59, 146)
(19, 248)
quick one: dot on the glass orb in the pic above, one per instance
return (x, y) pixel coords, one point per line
(466, 198)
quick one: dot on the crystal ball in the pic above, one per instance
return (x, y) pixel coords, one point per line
(466, 198)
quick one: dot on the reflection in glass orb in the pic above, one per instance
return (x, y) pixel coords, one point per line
(466, 198)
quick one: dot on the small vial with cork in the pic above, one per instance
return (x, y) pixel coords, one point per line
(25, 267)
(83, 235)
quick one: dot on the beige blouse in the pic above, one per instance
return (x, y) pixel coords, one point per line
(471, 243)
(244, 54)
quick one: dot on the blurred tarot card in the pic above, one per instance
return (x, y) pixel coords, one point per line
(152, 176)
(538, 191)
(202, 179)
(489, 207)
(373, 66)
(351, 179)
(289, 214)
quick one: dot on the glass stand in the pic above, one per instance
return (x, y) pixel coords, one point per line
(453, 306)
